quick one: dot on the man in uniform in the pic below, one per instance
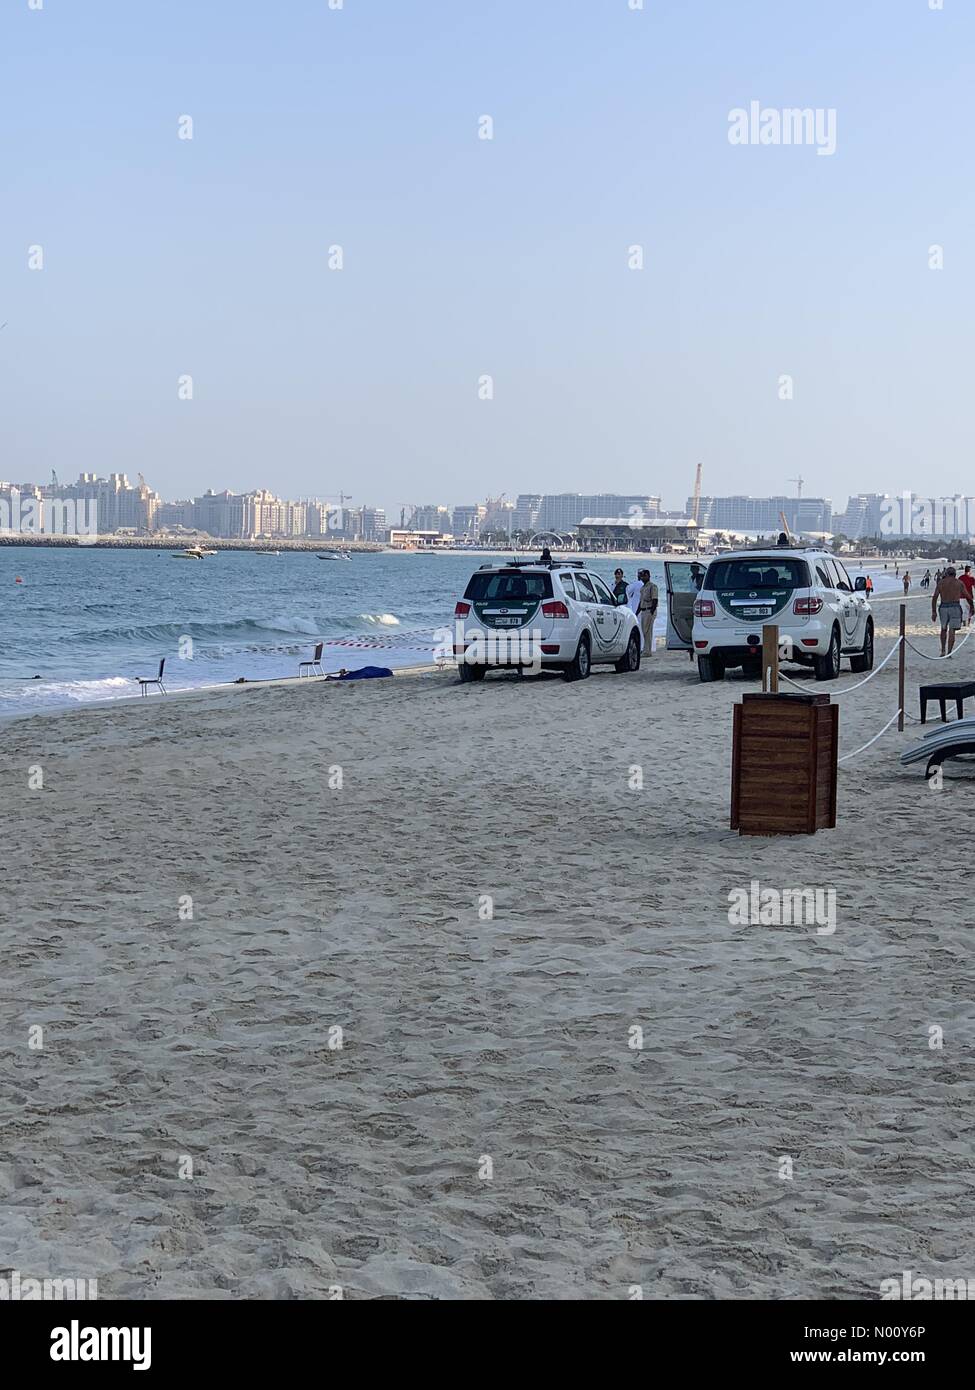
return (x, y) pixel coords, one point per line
(647, 610)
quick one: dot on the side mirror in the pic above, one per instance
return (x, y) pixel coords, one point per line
(860, 582)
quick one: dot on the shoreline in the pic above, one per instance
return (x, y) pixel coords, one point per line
(918, 628)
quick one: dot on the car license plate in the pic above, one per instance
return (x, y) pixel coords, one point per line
(756, 612)
(508, 622)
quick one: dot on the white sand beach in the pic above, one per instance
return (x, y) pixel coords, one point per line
(317, 1168)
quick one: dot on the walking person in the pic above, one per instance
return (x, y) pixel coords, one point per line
(869, 587)
(946, 602)
(907, 581)
(926, 580)
(647, 610)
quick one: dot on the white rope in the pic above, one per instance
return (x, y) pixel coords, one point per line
(848, 688)
(947, 656)
(856, 751)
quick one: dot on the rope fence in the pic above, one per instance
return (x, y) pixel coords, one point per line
(773, 675)
(896, 715)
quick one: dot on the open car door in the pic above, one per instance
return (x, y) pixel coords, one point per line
(682, 587)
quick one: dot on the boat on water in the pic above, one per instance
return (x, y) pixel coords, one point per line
(335, 555)
(192, 552)
(267, 552)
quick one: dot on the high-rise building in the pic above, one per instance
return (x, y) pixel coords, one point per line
(431, 518)
(120, 506)
(564, 510)
(525, 516)
(762, 514)
(465, 522)
(369, 524)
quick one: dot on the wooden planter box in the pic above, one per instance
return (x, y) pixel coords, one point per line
(783, 769)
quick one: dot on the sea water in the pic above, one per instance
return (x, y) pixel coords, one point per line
(83, 622)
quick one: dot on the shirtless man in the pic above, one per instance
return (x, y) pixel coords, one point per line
(946, 602)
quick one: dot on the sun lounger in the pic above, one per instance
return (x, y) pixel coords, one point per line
(955, 740)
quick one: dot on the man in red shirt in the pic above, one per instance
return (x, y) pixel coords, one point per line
(968, 580)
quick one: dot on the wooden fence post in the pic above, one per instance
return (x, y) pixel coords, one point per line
(770, 658)
(902, 668)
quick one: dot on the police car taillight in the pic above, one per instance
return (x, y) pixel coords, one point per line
(703, 608)
(807, 606)
(462, 610)
(555, 609)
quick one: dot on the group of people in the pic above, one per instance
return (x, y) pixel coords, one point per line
(642, 597)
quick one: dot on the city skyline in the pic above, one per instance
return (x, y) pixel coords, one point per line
(114, 504)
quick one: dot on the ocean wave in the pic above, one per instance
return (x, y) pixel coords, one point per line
(382, 619)
(243, 628)
(80, 690)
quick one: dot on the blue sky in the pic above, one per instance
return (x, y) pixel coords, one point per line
(358, 127)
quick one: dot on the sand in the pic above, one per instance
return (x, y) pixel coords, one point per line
(363, 1169)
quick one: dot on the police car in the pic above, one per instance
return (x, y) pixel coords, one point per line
(821, 613)
(556, 616)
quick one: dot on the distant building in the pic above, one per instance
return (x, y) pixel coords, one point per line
(498, 516)
(525, 517)
(599, 533)
(409, 539)
(120, 506)
(883, 515)
(369, 524)
(430, 518)
(173, 516)
(563, 511)
(761, 514)
(465, 522)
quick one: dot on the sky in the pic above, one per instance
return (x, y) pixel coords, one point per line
(464, 258)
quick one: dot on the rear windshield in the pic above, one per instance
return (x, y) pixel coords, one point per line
(503, 585)
(760, 572)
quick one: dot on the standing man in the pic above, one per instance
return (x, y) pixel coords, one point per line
(647, 609)
(619, 587)
(907, 581)
(946, 604)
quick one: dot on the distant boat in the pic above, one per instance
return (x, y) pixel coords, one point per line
(335, 555)
(192, 552)
(267, 552)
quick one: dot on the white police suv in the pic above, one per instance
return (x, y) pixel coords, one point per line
(530, 615)
(821, 613)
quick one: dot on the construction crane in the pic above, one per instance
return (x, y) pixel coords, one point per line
(54, 479)
(695, 510)
(142, 481)
(342, 496)
(798, 482)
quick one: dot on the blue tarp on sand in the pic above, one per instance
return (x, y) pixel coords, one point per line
(365, 673)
